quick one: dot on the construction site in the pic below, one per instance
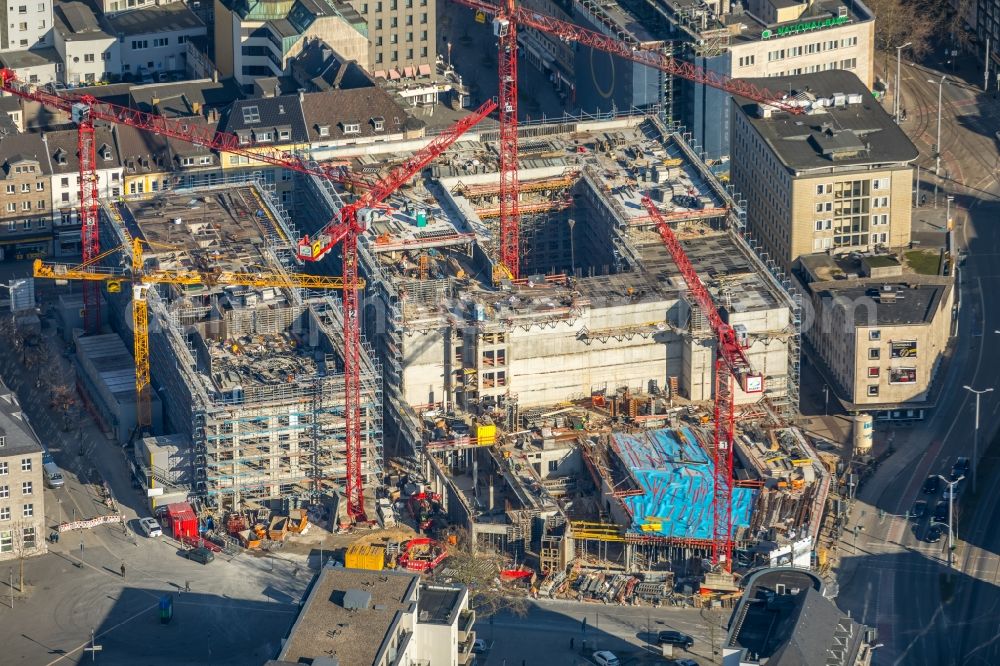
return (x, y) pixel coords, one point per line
(251, 377)
(538, 339)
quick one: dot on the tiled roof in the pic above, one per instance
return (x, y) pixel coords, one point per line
(64, 155)
(17, 147)
(335, 109)
(267, 114)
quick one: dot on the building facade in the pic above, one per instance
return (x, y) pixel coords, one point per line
(88, 49)
(25, 25)
(880, 332)
(402, 34)
(25, 212)
(22, 494)
(836, 178)
(65, 185)
(256, 40)
(154, 39)
(742, 38)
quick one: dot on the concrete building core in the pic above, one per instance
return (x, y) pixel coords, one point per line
(602, 306)
(251, 377)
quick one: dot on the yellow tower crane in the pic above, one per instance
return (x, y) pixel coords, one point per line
(142, 279)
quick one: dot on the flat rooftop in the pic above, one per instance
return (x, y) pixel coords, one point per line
(206, 229)
(844, 127)
(327, 627)
(438, 604)
(898, 299)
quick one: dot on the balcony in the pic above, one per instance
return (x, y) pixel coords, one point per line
(465, 655)
(466, 619)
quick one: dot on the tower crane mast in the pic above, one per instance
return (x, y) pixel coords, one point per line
(730, 363)
(344, 228)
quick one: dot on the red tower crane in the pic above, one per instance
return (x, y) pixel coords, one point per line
(507, 17)
(85, 109)
(345, 229)
(730, 362)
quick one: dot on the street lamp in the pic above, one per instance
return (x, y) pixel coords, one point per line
(895, 106)
(826, 399)
(951, 514)
(937, 148)
(975, 440)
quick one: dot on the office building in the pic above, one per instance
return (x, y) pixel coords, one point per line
(836, 177)
(878, 333)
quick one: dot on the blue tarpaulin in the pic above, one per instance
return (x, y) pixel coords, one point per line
(675, 474)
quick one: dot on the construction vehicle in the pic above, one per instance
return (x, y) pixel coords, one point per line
(349, 224)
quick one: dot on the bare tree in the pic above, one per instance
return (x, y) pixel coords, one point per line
(24, 538)
(481, 575)
(900, 21)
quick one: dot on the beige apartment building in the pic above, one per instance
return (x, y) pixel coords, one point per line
(22, 505)
(879, 332)
(838, 178)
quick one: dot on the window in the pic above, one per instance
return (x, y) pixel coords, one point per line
(251, 114)
(40, 186)
(819, 208)
(65, 197)
(3, 441)
(3, 468)
(423, 19)
(393, 38)
(25, 187)
(25, 205)
(324, 130)
(553, 465)
(263, 136)
(41, 6)
(873, 372)
(23, 27)
(26, 488)
(284, 135)
(880, 184)
(88, 57)
(29, 537)
(409, 20)
(208, 160)
(106, 56)
(41, 204)
(159, 41)
(872, 391)
(4, 513)
(25, 464)
(10, 189)
(6, 538)
(873, 353)
(819, 189)
(187, 161)
(352, 128)
(28, 510)
(874, 335)
(139, 44)
(182, 39)
(394, 22)
(4, 492)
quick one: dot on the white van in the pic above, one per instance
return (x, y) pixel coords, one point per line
(53, 475)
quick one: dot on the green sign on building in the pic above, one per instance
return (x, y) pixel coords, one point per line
(805, 26)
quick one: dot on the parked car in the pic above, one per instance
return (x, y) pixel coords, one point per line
(932, 485)
(941, 513)
(203, 555)
(919, 510)
(933, 534)
(674, 638)
(606, 658)
(150, 527)
(53, 475)
(479, 646)
(684, 662)
(960, 468)
(47, 457)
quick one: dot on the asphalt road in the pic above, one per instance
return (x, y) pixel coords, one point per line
(896, 581)
(543, 636)
(237, 610)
